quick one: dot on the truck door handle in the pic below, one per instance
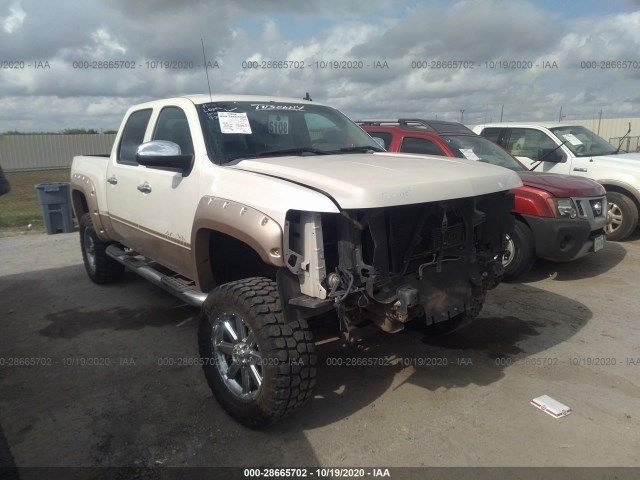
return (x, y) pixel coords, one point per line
(580, 169)
(112, 180)
(145, 188)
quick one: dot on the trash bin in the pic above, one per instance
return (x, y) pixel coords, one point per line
(56, 207)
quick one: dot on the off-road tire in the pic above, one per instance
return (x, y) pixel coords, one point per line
(283, 352)
(522, 252)
(459, 321)
(100, 267)
(625, 216)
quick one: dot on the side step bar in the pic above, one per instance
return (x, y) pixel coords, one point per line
(178, 286)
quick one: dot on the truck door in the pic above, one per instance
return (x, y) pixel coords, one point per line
(122, 179)
(169, 201)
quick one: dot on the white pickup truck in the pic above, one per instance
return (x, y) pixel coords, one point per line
(575, 150)
(269, 213)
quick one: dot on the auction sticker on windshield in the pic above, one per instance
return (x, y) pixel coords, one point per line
(231, 122)
(469, 154)
(279, 124)
(572, 139)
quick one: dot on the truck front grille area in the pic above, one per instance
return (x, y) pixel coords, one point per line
(592, 209)
(377, 246)
(450, 237)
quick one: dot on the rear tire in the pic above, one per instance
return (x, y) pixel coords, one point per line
(623, 214)
(100, 267)
(521, 253)
(259, 367)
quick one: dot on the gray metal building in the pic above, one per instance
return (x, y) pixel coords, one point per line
(43, 152)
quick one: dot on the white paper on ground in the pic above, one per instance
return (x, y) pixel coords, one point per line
(553, 407)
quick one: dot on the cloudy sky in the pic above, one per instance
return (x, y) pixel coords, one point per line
(396, 58)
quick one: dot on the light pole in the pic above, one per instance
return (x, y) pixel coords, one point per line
(461, 116)
(599, 120)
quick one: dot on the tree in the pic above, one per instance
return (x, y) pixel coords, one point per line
(79, 131)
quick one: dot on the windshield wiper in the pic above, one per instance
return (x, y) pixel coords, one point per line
(541, 159)
(622, 139)
(365, 149)
(293, 151)
(286, 151)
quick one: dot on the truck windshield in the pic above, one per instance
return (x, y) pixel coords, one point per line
(582, 141)
(474, 147)
(239, 130)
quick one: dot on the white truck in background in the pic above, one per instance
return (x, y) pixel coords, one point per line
(269, 213)
(575, 150)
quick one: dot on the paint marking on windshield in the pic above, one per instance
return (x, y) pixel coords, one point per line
(266, 106)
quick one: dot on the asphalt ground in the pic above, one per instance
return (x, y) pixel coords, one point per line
(106, 376)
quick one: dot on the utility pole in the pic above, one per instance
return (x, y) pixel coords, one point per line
(560, 117)
(462, 116)
(599, 120)
(501, 111)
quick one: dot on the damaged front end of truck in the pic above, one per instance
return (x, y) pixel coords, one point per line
(380, 268)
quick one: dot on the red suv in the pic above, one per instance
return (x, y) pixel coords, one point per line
(558, 217)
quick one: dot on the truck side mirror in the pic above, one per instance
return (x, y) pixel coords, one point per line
(165, 155)
(552, 155)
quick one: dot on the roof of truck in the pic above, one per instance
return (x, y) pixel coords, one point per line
(525, 124)
(418, 124)
(206, 98)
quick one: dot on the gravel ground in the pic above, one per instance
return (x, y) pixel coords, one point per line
(111, 383)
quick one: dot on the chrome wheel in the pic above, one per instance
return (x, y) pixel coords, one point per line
(90, 251)
(614, 218)
(259, 366)
(237, 356)
(510, 253)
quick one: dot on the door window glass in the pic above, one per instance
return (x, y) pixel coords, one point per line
(421, 146)
(133, 136)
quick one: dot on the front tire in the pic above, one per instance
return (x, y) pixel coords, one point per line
(623, 215)
(520, 254)
(100, 267)
(259, 367)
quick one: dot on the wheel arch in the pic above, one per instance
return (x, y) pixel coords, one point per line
(79, 203)
(84, 200)
(221, 257)
(622, 188)
(522, 219)
(230, 239)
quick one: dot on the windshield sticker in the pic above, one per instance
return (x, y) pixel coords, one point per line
(211, 111)
(267, 106)
(279, 124)
(572, 139)
(468, 154)
(231, 122)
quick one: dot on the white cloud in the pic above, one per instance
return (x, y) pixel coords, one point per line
(15, 19)
(270, 34)
(106, 44)
(472, 30)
